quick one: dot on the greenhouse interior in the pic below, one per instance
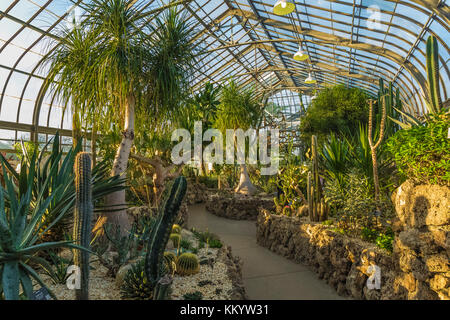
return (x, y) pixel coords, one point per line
(224, 150)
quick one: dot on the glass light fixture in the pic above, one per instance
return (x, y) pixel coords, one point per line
(301, 55)
(310, 79)
(282, 7)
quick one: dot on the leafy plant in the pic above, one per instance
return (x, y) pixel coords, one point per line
(422, 152)
(58, 272)
(385, 240)
(22, 225)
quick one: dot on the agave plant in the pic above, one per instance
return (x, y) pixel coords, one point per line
(22, 224)
(54, 177)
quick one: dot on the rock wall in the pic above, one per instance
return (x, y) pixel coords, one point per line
(417, 269)
(422, 242)
(237, 206)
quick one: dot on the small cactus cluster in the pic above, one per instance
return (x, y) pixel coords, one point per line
(187, 264)
(82, 220)
(317, 207)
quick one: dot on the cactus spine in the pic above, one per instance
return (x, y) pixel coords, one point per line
(433, 74)
(82, 219)
(159, 236)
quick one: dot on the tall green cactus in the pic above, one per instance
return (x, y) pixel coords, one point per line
(161, 233)
(318, 209)
(82, 220)
(433, 74)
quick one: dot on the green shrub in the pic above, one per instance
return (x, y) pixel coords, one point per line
(422, 152)
(215, 243)
(385, 240)
(335, 109)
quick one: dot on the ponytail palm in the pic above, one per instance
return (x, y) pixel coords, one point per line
(106, 61)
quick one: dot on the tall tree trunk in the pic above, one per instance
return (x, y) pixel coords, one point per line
(116, 200)
(245, 185)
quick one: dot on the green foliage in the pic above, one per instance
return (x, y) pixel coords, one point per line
(82, 220)
(187, 264)
(55, 177)
(135, 284)
(22, 221)
(205, 236)
(197, 295)
(58, 272)
(215, 243)
(291, 182)
(334, 110)
(238, 108)
(354, 204)
(422, 152)
(208, 181)
(385, 240)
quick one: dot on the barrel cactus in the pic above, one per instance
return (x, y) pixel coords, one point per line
(187, 264)
(82, 220)
(176, 239)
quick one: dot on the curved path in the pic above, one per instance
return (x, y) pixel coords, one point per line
(266, 275)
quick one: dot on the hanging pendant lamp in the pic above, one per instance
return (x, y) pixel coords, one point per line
(310, 79)
(301, 55)
(282, 7)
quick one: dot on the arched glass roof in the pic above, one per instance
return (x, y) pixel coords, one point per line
(353, 42)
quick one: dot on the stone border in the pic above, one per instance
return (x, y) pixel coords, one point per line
(234, 266)
(237, 206)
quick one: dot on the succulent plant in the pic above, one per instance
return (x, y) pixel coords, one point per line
(135, 284)
(187, 264)
(176, 229)
(82, 220)
(162, 229)
(176, 239)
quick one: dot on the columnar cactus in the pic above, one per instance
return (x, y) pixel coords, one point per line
(159, 237)
(433, 74)
(82, 220)
(374, 146)
(318, 209)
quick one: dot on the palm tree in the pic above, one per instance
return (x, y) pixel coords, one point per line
(109, 60)
(239, 110)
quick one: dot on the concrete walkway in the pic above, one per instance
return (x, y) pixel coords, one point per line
(266, 275)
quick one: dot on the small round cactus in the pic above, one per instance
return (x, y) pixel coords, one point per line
(170, 261)
(176, 239)
(187, 264)
(176, 229)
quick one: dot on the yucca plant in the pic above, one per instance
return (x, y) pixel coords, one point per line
(22, 224)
